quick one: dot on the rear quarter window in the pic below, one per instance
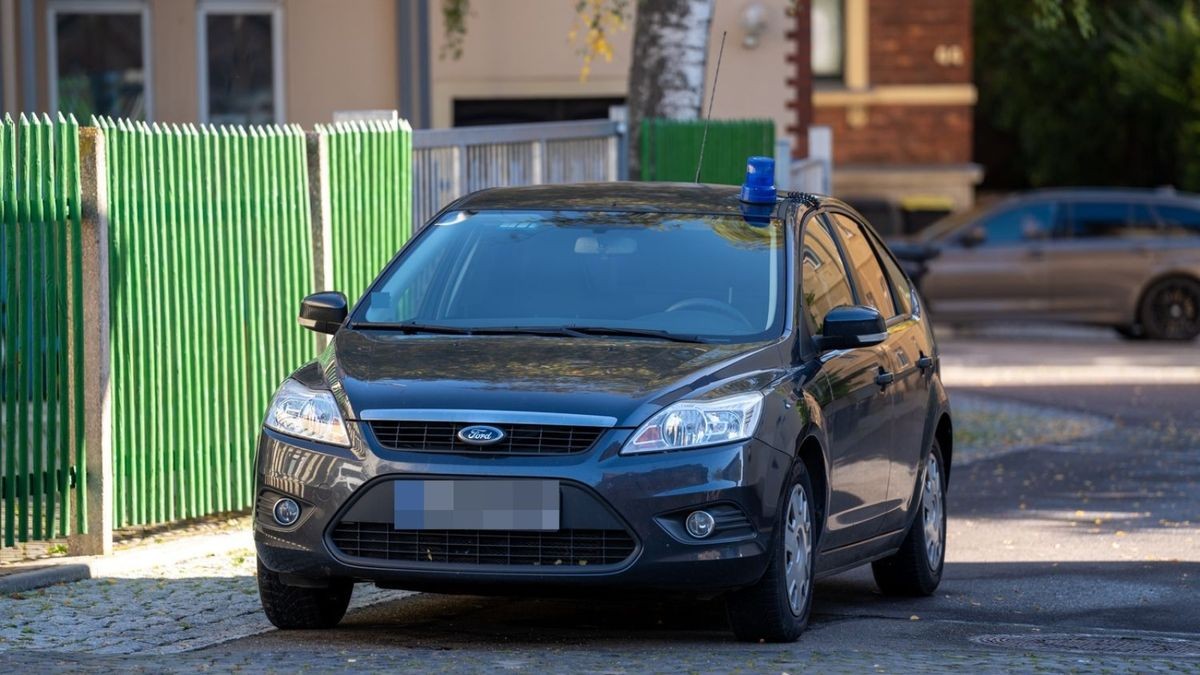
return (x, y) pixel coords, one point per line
(1179, 220)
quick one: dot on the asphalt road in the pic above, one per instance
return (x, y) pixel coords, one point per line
(1085, 554)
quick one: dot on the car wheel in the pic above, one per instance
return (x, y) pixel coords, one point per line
(294, 607)
(1170, 309)
(916, 569)
(776, 608)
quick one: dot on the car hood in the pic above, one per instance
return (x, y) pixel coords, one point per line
(627, 379)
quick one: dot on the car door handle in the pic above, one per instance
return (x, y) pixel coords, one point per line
(884, 378)
(925, 363)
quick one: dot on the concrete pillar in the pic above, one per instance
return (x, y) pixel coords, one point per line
(97, 359)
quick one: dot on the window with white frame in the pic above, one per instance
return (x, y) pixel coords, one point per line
(828, 39)
(241, 72)
(99, 59)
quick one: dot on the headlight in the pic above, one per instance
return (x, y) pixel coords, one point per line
(691, 424)
(307, 413)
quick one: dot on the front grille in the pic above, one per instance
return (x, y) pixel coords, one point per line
(577, 548)
(519, 439)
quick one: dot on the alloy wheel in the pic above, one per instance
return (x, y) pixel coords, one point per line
(1175, 309)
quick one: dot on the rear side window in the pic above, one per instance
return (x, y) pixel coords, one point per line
(823, 281)
(1107, 220)
(873, 288)
(1179, 220)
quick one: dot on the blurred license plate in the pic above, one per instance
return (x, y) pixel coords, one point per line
(476, 505)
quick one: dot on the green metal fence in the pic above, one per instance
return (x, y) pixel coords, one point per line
(370, 195)
(41, 451)
(670, 149)
(210, 253)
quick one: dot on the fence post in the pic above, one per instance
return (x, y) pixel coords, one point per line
(820, 146)
(97, 359)
(537, 150)
(321, 216)
(783, 163)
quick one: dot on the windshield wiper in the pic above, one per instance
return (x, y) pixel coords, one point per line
(412, 327)
(565, 331)
(631, 332)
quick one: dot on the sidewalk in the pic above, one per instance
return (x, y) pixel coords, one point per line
(153, 597)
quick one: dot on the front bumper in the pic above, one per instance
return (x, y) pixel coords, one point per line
(647, 496)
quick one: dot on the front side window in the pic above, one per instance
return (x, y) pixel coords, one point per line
(99, 66)
(240, 69)
(823, 281)
(873, 288)
(1030, 222)
(717, 278)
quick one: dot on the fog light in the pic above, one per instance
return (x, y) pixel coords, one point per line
(286, 511)
(700, 524)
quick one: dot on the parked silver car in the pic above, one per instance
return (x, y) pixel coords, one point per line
(1129, 259)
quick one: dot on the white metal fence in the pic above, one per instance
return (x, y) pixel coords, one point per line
(449, 163)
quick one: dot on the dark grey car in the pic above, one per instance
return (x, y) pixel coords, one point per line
(1129, 259)
(590, 388)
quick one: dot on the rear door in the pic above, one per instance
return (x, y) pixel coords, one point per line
(858, 413)
(1101, 252)
(1001, 273)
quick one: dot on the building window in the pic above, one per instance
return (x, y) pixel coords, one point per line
(98, 60)
(828, 39)
(241, 78)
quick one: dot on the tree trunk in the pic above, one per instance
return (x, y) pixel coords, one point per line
(670, 53)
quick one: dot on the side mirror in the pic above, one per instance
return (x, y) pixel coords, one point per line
(973, 236)
(323, 312)
(849, 327)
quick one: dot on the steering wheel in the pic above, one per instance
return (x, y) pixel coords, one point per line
(715, 306)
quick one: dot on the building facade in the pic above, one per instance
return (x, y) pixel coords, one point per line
(897, 91)
(892, 78)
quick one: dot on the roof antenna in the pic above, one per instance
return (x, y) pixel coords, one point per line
(712, 97)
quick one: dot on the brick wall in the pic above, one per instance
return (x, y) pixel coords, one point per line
(908, 38)
(901, 134)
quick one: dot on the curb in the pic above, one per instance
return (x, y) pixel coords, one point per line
(19, 582)
(129, 562)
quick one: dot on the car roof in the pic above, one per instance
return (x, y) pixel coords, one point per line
(614, 196)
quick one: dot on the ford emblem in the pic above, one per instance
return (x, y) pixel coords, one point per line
(480, 434)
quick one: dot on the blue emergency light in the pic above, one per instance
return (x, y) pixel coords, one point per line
(759, 187)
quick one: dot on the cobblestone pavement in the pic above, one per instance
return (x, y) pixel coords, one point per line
(150, 609)
(1069, 525)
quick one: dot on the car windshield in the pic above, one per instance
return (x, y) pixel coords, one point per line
(642, 275)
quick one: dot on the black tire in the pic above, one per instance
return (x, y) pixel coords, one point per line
(294, 607)
(910, 571)
(763, 612)
(1170, 309)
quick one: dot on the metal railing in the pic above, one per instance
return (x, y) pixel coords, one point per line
(449, 163)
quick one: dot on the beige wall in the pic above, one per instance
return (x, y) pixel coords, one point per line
(342, 55)
(337, 56)
(521, 50)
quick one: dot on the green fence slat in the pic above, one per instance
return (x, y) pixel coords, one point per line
(38, 174)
